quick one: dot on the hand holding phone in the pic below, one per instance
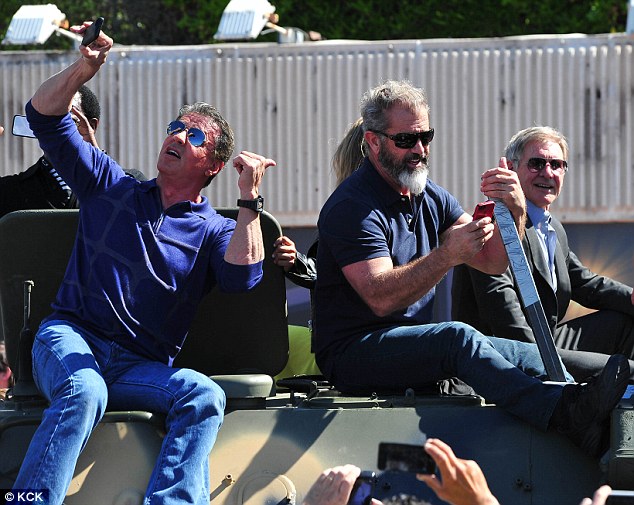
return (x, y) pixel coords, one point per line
(363, 489)
(405, 458)
(484, 209)
(92, 32)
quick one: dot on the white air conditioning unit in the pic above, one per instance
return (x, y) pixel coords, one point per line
(34, 24)
(244, 19)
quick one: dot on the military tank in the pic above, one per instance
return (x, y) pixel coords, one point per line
(276, 437)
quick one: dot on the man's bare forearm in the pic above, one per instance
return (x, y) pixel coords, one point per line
(55, 95)
(391, 289)
(246, 245)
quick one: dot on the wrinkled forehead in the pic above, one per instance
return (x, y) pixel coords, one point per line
(204, 123)
(407, 119)
(544, 148)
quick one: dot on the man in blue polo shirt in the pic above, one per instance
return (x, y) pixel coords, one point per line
(388, 235)
(145, 255)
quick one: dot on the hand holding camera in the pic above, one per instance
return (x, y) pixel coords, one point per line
(393, 457)
(461, 481)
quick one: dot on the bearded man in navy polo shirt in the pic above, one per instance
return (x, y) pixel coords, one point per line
(387, 236)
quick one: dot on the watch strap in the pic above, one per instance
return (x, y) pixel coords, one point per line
(256, 205)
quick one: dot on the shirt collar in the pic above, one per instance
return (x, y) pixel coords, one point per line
(202, 209)
(536, 214)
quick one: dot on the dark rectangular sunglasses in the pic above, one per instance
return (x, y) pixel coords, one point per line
(195, 136)
(538, 164)
(408, 140)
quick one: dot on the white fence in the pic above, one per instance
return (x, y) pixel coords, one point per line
(293, 102)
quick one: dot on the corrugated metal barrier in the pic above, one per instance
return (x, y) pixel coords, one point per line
(293, 102)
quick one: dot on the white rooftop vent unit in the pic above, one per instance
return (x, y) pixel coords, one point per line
(34, 24)
(244, 19)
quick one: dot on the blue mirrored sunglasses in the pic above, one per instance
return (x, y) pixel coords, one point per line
(195, 136)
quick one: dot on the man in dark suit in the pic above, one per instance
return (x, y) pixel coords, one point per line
(41, 186)
(491, 303)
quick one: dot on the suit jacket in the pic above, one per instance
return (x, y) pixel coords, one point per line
(35, 188)
(491, 303)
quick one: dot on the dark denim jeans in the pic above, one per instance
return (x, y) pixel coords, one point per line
(504, 372)
(82, 374)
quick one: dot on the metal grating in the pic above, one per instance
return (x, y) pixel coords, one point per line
(293, 102)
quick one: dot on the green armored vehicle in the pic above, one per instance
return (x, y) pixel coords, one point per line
(275, 440)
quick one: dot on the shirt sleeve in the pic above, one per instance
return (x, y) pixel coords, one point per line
(354, 232)
(448, 209)
(304, 270)
(85, 168)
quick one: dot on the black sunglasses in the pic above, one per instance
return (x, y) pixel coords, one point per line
(195, 136)
(408, 140)
(536, 165)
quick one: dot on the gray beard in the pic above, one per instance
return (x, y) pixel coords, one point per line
(414, 181)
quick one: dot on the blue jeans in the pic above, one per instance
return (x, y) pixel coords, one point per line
(504, 372)
(82, 375)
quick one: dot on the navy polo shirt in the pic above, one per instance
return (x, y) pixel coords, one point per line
(366, 218)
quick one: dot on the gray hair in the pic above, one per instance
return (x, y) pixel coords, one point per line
(515, 148)
(377, 101)
(224, 141)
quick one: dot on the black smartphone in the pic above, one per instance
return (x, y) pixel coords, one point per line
(484, 209)
(363, 489)
(620, 497)
(92, 32)
(405, 458)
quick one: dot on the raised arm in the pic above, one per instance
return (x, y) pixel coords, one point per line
(54, 97)
(246, 245)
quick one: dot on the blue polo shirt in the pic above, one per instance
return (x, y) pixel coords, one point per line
(366, 218)
(137, 271)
